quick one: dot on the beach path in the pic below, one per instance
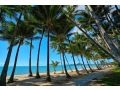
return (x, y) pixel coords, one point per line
(85, 80)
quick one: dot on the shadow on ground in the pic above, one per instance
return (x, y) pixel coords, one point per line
(112, 79)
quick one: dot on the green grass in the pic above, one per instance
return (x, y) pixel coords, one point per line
(112, 79)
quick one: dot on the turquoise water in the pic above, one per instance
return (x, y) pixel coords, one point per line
(20, 70)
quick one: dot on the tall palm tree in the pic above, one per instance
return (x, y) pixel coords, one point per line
(30, 69)
(84, 64)
(38, 56)
(72, 51)
(70, 15)
(48, 17)
(23, 32)
(5, 68)
(89, 66)
(61, 63)
(68, 64)
(14, 67)
(104, 35)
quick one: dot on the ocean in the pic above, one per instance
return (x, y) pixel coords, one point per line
(21, 70)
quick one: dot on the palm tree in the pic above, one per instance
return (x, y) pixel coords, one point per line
(14, 67)
(23, 32)
(5, 68)
(38, 56)
(49, 16)
(89, 66)
(61, 64)
(30, 70)
(72, 51)
(104, 35)
(81, 65)
(70, 13)
(54, 65)
(67, 75)
(57, 42)
(68, 64)
(84, 64)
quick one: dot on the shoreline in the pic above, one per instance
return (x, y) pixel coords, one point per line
(58, 79)
(52, 73)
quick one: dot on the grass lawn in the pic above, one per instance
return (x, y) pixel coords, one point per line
(112, 79)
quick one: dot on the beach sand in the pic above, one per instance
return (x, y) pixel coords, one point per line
(58, 79)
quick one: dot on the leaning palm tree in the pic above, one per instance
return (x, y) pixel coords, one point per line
(22, 33)
(38, 55)
(68, 64)
(7, 35)
(71, 13)
(54, 64)
(71, 50)
(16, 13)
(11, 79)
(5, 68)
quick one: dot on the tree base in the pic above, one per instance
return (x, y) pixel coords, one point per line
(37, 76)
(48, 79)
(68, 77)
(10, 81)
(78, 72)
(30, 75)
(2, 83)
(92, 71)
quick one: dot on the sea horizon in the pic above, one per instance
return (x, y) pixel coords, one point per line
(22, 70)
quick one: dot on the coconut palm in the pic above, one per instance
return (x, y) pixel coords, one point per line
(49, 17)
(58, 38)
(22, 33)
(54, 64)
(76, 22)
(71, 50)
(38, 56)
(68, 64)
(5, 68)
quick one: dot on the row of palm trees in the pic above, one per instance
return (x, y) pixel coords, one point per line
(98, 37)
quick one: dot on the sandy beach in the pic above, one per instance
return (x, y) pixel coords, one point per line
(58, 79)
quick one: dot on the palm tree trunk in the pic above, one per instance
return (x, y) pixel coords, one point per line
(84, 64)
(99, 65)
(117, 59)
(67, 75)
(11, 79)
(75, 65)
(38, 56)
(68, 63)
(30, 69)
(5, 68)
(48, 69)
(107, 63)
(105, 36)
(96, 65)
(61, 63)
(89, 66)
(54, 70)
(118, 10)
(81, 64)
